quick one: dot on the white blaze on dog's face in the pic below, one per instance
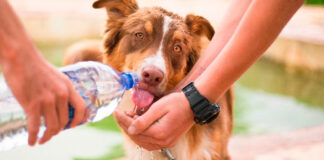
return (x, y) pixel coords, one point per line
(154, 67)
(161, 47)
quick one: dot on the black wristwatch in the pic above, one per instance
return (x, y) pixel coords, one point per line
(203, 110)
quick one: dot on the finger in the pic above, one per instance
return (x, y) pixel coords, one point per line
(147, 146)
(79, 106)
(147, 119)
(51, 121)
(123, 127)
(33, 123)
(146, 142)
(62, 110)
(86, 117)
(143, 138)
(150, 147)
(130, 113)
(122, 118)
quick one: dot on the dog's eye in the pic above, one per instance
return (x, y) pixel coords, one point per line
(139, 35)
(177, 49)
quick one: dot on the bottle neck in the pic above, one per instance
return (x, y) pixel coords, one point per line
(129, 80)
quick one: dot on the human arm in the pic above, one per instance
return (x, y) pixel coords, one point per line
(41, 90)
(162, 125)
(259, 27)
(224, 32)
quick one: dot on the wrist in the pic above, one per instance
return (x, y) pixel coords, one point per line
(205, 91)
(20, 55)
(187, 107)
(204, 111)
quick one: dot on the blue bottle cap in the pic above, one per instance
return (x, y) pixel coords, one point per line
(129, 80)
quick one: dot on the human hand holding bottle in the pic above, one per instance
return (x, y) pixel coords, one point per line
(41, 90)
(44, 92)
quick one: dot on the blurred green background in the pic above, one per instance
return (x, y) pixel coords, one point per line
(276, 94)
(318, 2)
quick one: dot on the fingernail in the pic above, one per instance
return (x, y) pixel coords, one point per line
(131, 130)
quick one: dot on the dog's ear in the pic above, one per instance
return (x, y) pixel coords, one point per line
(199, 26)
(117, 8)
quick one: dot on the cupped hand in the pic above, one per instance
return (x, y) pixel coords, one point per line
(167, 120)
(44, 92)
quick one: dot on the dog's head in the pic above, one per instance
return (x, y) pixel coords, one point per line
(161, 47)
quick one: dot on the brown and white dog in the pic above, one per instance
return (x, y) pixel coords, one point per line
(161, 47)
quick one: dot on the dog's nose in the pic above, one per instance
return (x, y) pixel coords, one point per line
(152, 76)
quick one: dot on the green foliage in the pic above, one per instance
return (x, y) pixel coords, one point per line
(53, 52)
(117, 153)
(316, 2)
(108, 124)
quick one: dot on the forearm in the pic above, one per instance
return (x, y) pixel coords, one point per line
(259, 27)
(224, 32)
(13, 38)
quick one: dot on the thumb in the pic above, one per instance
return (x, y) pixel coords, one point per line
(147, 119)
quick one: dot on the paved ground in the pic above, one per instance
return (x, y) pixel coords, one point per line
(304, 144)
(81, 142)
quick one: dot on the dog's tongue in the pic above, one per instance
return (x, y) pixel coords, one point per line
(142, 98)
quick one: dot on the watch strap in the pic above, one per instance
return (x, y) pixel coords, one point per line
(203, 110)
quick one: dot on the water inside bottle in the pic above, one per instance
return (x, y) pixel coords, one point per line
(102, 96)
(13, 123)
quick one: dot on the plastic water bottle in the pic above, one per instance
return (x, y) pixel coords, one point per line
(99, 85)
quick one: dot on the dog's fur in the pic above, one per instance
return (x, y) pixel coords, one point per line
(168, 45)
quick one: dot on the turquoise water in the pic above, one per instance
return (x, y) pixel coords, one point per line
(257, 112)
(306, 87)
(270, 98)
